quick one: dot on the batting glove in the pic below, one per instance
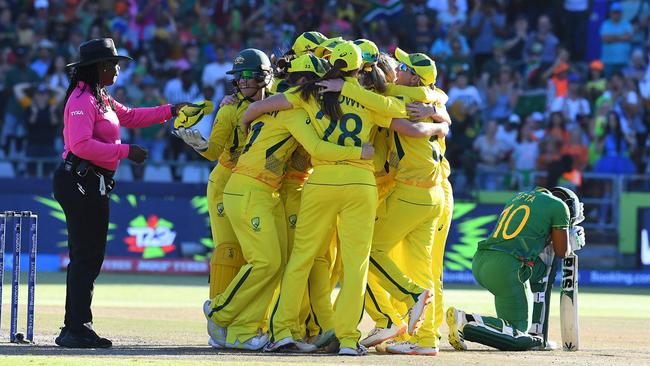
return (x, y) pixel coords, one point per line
(576, 238)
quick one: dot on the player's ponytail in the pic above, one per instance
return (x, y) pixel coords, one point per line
(281, 68)
(329, 102)
(387, 64)
(373, 78)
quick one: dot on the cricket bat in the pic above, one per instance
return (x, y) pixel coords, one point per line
(569, 303)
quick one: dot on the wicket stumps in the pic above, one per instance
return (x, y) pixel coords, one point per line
(15, 219)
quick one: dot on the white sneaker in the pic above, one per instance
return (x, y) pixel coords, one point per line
(416, 312)
(379, 335)
(456, 321)
(290, 345)
(359, 351)
(408, 348)
(255, 343)
(217, 334)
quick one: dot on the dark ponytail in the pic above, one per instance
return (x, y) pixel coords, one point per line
(329, 102)
(90, 76)
(373, 78)
(281, 69)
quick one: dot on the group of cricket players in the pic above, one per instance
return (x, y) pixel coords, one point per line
(332, 173)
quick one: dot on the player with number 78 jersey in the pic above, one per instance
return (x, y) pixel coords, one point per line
(345, 189)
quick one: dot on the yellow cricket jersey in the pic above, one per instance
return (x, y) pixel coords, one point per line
(299, 167)
(227, 138)
(381, 144)
(416, 160)
(272, 140)
(356, 127)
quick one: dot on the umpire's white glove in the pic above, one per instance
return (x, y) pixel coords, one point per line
(576, 238)
(192, 138)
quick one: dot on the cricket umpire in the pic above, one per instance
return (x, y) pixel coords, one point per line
(92, 152)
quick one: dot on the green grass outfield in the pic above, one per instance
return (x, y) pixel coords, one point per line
(157, 320)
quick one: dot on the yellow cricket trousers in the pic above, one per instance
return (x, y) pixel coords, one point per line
(377, 300)
(408, 215)
(257, 216)
(332, 191)
(438, 254)
(226, 256)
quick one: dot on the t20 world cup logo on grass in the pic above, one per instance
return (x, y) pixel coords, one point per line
(153, 236)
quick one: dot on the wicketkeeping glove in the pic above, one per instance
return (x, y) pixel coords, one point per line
(192, 138)
(576, 238)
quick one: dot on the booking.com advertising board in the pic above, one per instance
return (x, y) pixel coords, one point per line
(164, 228)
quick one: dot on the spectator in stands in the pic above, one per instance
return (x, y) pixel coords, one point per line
(596, 83)
(577, 149)
(458, 62)
(544, 36)
(515, 44)
(42, 121)
(575, 20)
(44, 59)
(534, 68)
(424, 33)
(536, 122)
(7, 28)
(464, 100)
(502, 95)
(492, 153)
(214, 73)
(636, 68)
(485, 25)
(556, 129)
(558, 84)
(451, 16)
(13, 129)
(499, 59)
(524, 156)
(441, 48)
(616, 34)
(509, 130)
(57, 77)
(615, 148)
(573, 104)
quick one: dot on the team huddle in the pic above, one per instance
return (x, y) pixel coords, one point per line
(332, 171)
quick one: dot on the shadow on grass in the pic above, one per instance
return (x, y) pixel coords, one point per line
(144, 350)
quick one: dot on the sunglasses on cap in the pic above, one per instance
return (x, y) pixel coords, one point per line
(369, 57)
(406, 68)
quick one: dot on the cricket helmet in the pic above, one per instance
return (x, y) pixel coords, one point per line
(571, 200)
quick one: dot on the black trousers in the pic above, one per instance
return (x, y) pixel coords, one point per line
(86, 213)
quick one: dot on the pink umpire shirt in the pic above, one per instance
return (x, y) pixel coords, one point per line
(94, 135)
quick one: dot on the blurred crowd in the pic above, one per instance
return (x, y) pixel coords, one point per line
(561, 86)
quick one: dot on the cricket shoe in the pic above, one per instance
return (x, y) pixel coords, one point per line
(217, 334)
(214, 344)
(324, 339)
(416, 312)
(379, 335)
(456, 320)
(348, 351)
(290, 345)
(84, 337)
(255, 343)
(408, 348)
